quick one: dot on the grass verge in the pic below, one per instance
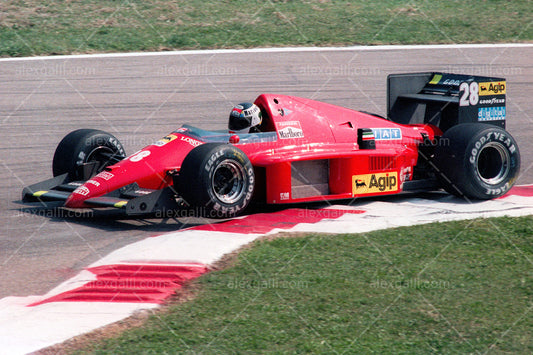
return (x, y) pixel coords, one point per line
(35, 27)
(459, 287)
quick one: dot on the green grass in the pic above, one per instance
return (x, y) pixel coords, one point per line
(59, 27)
(460, 287)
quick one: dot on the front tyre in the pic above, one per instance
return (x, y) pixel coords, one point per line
(85, 152)
(479, 161)
(217, 180)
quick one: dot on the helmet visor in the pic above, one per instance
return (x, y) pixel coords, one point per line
(237, 123)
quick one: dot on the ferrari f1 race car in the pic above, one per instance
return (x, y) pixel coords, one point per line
(441, 131)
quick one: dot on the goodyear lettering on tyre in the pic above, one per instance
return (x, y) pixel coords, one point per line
(251, 181)
(375, 183)
(115, 143)
(212, 159)
(499, 190)
(507, 142)
(491, 137)
(239, 156)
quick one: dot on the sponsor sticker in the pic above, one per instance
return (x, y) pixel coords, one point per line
(284, 111)
(165, 140)
(120, 204)
(492, 101)
(191, 141)
(492, 88)
(290, 129)
(452, 82)
(237, 110)
(251, 110)
(82, 190)
(436, 79)
(105, 175)
(375, 183)
(491, 113)
(368, 136)
(93, 182)
(386, 134)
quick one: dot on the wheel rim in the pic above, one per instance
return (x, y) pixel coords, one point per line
(493, 163)
(103, 155)
(229, 181)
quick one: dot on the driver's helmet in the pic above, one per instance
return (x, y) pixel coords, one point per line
(244, 116)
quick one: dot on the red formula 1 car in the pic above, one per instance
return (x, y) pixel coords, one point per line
(442, 131)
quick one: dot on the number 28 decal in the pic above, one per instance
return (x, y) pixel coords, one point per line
(469, 94)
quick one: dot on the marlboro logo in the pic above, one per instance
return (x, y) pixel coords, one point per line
(290, 129)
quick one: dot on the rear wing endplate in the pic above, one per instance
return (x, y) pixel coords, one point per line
(445, 100)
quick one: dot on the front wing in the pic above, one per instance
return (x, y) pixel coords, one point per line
(132, 199)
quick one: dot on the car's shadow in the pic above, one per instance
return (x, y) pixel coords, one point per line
(110, 219)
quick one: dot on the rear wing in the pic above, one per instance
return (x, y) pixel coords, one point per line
(445, 100)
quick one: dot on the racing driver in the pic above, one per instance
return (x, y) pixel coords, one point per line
(245, 118)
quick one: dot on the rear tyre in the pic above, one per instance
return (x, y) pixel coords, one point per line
(478, 161)
(216, 180)
(86, 152)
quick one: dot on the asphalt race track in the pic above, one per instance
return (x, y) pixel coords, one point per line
(140, 99)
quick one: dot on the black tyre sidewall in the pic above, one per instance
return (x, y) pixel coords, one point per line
(196, 175)
(457, 157)
(76, 147)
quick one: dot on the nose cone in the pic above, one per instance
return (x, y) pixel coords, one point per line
(77, 198)
(92, 188)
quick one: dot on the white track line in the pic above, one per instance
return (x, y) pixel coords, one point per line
(274, 50)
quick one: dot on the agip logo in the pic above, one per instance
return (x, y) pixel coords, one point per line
(492, 88)
(375, 183)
